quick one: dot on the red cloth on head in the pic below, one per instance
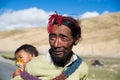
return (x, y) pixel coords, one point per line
(59, 19)
(51, 20)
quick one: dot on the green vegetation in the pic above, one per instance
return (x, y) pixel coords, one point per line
(109, 71)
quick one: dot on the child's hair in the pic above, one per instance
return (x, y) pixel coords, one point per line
(28, 48)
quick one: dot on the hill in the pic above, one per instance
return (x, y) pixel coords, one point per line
(100, 37)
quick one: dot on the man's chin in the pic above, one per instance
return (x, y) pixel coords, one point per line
(57, 57)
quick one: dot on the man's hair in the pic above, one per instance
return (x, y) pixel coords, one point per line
(27, 48)
(70, 22)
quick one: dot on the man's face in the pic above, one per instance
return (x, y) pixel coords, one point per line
(61, 41)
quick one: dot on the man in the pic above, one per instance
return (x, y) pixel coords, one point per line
(61, 62)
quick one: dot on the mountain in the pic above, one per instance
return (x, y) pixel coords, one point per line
(100, 37)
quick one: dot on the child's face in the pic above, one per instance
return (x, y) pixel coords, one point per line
(25, 56)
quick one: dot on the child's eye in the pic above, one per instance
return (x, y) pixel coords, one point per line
(20, 57)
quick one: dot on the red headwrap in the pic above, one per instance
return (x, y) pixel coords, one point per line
(59, 19)
(51, 20)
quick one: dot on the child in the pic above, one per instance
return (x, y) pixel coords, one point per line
(23, 55)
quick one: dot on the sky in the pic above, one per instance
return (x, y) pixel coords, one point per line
(35, 13)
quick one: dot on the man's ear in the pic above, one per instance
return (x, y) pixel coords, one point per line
(75, 43)
(76, 40)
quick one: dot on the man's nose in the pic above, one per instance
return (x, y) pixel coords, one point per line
(57, 42)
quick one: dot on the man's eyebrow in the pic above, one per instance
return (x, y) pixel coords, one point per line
(63, 35)
(51, 34)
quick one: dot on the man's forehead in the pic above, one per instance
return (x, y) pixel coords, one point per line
(60, 29)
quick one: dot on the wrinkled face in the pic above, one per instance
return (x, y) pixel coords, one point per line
(61, 41)
(24, 56)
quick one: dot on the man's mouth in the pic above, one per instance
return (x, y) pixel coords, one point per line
(58, 52)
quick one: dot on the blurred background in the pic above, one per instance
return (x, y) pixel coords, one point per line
(25, 21)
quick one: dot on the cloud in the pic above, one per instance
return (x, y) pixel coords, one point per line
(89, 15)
(106, 12)
(32, 17)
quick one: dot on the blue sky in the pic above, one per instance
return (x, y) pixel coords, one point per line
(27, 13)
(72, 7)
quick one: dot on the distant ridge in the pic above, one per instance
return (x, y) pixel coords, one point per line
(100, 36)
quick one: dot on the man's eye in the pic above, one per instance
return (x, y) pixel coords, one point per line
(64, 39)
(52, 37)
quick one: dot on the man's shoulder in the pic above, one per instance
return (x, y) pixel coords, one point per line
(83, 67)
(83, 64)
